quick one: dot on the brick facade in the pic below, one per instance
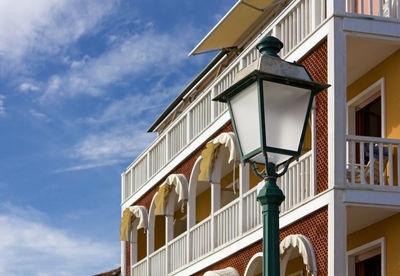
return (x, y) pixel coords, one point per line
(313, 226)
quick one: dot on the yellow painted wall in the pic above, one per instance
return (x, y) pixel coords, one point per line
(179, 222)
(388, 228)
(390, 69)
(254, 180)
(227, 194)
(159, 233)
(295, 265)
(203, 205)
(141, 244)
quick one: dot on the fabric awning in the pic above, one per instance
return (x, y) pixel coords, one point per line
(126, 225)
(209, 154)
(304, 247)
(231, 30)
(140, 213)
(229, 271)
(174, 182)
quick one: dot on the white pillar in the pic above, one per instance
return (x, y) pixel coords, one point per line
(244, 184)
(215, 206)
(123, 258)
(336, 144)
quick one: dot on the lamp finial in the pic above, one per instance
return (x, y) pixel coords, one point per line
(270, 46)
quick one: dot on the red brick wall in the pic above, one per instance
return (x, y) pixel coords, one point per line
(313, 226)
(317, 65)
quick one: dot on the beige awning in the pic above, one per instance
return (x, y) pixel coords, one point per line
(238, 24)
(209, 154)
(140, 213)
(174, 182)
(126, 225)
(229, 271)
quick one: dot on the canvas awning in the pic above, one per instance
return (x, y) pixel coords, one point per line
(140, 213)
(126, 225)
(229, 271)
(237, 25)
(305, 249)
(209, 154)
(174, 182)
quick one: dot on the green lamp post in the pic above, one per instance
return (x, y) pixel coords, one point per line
(269, 104)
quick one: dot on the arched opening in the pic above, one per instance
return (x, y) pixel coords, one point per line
(254, 267)
(156, 229)
(297, 256)
(138, 234)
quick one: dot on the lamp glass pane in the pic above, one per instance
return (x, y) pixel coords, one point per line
(244, 106)
(285, 110)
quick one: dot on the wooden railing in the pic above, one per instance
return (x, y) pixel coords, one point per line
(200, 239)
(295, 23)
(158, 263)
(177, 254)
(373, 162)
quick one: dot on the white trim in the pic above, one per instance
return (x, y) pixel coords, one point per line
(364, 196)
(250, 265)
(364, 98)
(123, 259)
(352, 254)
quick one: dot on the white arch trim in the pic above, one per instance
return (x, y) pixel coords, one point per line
(229, 271)
(150, 229)
(140, 212)
(305, 248)
(252, 265)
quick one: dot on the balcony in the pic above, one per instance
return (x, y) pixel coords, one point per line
(228, 224)
(373, 163)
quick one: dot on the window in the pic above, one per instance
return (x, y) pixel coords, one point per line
(368, 259)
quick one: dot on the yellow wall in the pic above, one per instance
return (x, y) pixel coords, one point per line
(203, 205)
(295, 265)
(388, 228)
(390, 69)
(254, 180)
(179, 222)
(141, 244)
(159, 232)
(227, 194)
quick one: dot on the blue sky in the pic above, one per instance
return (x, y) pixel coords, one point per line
(81, 81)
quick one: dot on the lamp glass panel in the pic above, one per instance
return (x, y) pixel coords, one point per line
(244, 106)
(285, 110)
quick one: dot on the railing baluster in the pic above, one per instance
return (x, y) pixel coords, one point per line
(381, 178)
(362, 162)
(390, 160)
(372, 164)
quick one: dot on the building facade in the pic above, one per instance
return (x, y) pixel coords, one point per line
(189, 205)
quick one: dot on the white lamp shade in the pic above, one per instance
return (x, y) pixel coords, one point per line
(244, 108)
(285, 113)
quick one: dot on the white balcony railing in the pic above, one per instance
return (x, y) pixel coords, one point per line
(140, 268)
(383, 8)
(226, 224)
(295, 23)
(158, 262)
(373, 162)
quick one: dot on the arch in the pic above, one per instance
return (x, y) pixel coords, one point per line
(191, 208)
(304, 247)
(229, 271)
(253, 267)
(179, 185)
(151, 224)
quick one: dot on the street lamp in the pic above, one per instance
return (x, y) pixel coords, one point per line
(269, 104)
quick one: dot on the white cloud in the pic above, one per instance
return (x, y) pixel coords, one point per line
(25, 87)
(136, 55)
(37, 114)
(2, 109)
(89, 165)
(28, 246)
(119, 142)
(45, 26)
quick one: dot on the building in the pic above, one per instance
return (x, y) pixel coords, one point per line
(341, 212)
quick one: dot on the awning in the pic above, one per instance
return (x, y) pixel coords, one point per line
(209, 154)
(236, 25)
(229, 271)
(305, 249)
(126, 225)
(140, 213)
(174, 182)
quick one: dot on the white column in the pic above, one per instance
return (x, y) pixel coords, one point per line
(123, 258)
(336, 145)
(215, 206)
(169, 235)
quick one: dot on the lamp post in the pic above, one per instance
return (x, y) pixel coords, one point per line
(269, 104)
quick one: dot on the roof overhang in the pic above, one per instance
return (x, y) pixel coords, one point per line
(233, 29)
